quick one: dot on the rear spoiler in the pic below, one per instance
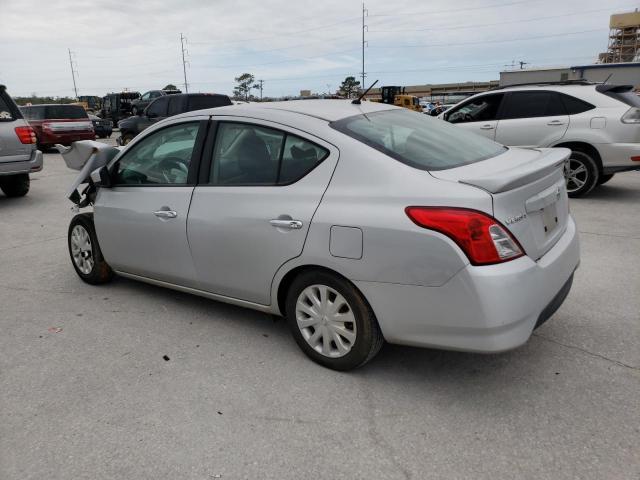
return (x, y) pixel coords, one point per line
(550, 160)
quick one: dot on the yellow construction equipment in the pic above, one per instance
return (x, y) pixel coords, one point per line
(393, 95)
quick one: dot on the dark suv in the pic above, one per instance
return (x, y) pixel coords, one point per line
(138, 105)
(18, 154)
(167, 106)
(57, 123)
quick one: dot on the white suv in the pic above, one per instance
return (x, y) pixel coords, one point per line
(600, 123)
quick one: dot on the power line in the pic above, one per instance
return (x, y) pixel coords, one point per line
(456, 10)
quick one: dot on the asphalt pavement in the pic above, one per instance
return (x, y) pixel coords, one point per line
(132, 381)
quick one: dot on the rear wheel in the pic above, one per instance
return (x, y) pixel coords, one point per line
(331, 321)
(581, 174)
(605, 178)
(15, 185)
(85, 253)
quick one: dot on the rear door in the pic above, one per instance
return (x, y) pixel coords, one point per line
(11, 149)
(478, 114)
(532, 119)
(254, 206)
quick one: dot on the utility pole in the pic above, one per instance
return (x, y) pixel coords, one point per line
(522, 64)
(364, 28)
(73, 74)
(261, 82)
(184, 62)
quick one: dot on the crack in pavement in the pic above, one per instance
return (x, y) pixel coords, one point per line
(615, 235)
(32, 243)
(583, 350)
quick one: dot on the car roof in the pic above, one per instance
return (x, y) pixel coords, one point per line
(329, 110)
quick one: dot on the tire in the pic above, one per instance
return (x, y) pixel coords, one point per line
(581, 174)
(126, 138)
(605, 178)
(15, 185)
(360, 339)
(85, 253)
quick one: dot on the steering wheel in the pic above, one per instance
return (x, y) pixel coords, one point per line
(468, 117)
(172, 163)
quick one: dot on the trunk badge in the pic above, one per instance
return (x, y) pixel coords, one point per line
(515, 218)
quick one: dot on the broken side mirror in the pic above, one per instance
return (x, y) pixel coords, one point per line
(101, 177)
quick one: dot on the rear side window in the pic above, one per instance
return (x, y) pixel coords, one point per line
(198, 102)
(246, 154)
(418, 140)
(33, 113)
(574, 105)
(480, 109)
(8, 109)
(65, 112)
(531, 105)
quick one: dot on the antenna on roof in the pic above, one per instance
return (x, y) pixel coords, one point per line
(357, 101)
(607, 79)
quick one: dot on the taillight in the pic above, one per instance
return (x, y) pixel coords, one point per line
(26, 135)
(480, 236)
(631, 116)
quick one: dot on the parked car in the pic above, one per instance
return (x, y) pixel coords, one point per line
(18, 154)
(139, 104)
(168, 106)
(600, 123)
(360, 223)
(116, 106)
(58, 123)
(102, 126)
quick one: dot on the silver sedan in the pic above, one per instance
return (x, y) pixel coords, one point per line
(359, 223)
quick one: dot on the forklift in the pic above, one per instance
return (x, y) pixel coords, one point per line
(393, 95)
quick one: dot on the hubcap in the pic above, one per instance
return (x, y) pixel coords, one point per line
(576, 174)
(81, 250)
(326, 321)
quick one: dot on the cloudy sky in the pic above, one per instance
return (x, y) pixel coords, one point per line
(292, 45)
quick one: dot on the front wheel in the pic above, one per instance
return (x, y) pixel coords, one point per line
(581, 174)
(331, 321)
(15, 185)
(85, 253)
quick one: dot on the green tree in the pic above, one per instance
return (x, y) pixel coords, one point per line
(350, 86)
(171, 86)
(245, 83)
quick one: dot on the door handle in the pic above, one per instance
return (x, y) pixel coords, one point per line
(487, 127)
(555, 122)
(165, 214)
(290, 224)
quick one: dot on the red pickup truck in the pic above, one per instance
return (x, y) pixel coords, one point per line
(58, 123)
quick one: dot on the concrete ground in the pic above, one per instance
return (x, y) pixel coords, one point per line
(237, 398)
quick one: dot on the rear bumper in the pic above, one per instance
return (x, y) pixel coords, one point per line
(32, 165)
(481, 309)
(48, 138)
(616, 157)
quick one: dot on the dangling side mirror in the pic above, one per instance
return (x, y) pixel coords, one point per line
(101, 177)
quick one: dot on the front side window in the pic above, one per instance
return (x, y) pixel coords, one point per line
(480, 109)
(161, 158)
(158, 108)
(146, 96)
(246, 154)
(532, 104)
(418, 140)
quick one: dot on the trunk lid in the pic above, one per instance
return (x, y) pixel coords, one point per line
(528, 191)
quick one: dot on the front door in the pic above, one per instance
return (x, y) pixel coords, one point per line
(142, 220)
(255, 206)
(478, 114)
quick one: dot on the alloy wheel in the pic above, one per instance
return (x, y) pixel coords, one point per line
(576, 173)
(81, 249)
(326, 321)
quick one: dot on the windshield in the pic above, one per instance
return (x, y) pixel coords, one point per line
(418, 140)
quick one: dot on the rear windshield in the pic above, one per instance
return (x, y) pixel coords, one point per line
(419, 140)
(198, 102)
(65, 111)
